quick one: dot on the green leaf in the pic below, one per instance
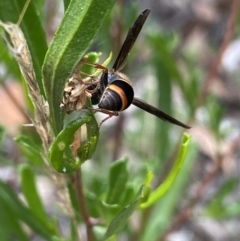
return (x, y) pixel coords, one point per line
(32, 29)
(2, 134)
(218, 208)
(74, 232)
(93, 57)
(11, 225)
(162, 213)
(215, 111)
(81, 22)
(166, 185)
(18, 212)
(109, 210)
(74, 201)
(10, 65)
(86, 150)
(118, 177)
(31, 150)
(129, 194)
(166, 71)
(66, 3)
(61, 157)
(164, 54)
(119, 221)
(28, 184)
(191, 90)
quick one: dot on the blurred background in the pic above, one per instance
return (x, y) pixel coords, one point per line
(186, 62)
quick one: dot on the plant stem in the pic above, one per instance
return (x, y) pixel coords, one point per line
(82, 203)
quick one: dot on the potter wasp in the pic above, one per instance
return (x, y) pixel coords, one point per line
(114, 92)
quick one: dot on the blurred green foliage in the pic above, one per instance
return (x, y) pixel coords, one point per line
(113, 191)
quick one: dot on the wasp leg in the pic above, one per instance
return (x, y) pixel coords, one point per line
(110, 115)
(97, 66)
(93, 90)
(108, 112)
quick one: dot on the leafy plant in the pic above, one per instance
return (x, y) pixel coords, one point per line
(70, 149)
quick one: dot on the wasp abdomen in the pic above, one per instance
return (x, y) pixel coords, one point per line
(118, 96)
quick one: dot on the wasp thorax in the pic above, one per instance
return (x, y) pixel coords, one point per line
(118, 96)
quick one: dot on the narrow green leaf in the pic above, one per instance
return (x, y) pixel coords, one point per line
(66, 3)
(162, 213)
(28, 184)
(86, 150)
(215, 112)
(166, 185)
(218, 208)
(32, 29)
(118, 177)
(191, 90)
(32, 151)
(61, 156)
(74, 201)
(10, 65)
(94, 204)
(223, 211)
(110, 209)
(11, 225)
(21, 213)
(2, 134)
(74, 232)
(165, 55)
(128, 195)
(81, 22)
(39, 4)
(119, 221)
(164, 71)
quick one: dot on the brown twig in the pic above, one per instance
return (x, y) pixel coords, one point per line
(82, 204)
(15, 101)
(216, 63)
(186, 214)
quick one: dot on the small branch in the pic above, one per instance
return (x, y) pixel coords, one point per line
(216, 63)
(82, 204)
(15, 102)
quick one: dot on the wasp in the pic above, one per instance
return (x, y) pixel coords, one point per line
(114, 92)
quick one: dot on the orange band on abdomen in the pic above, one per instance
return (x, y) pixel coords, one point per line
(121, 94)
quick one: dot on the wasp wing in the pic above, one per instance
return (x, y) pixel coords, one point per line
(160, 114)
(130, 39)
